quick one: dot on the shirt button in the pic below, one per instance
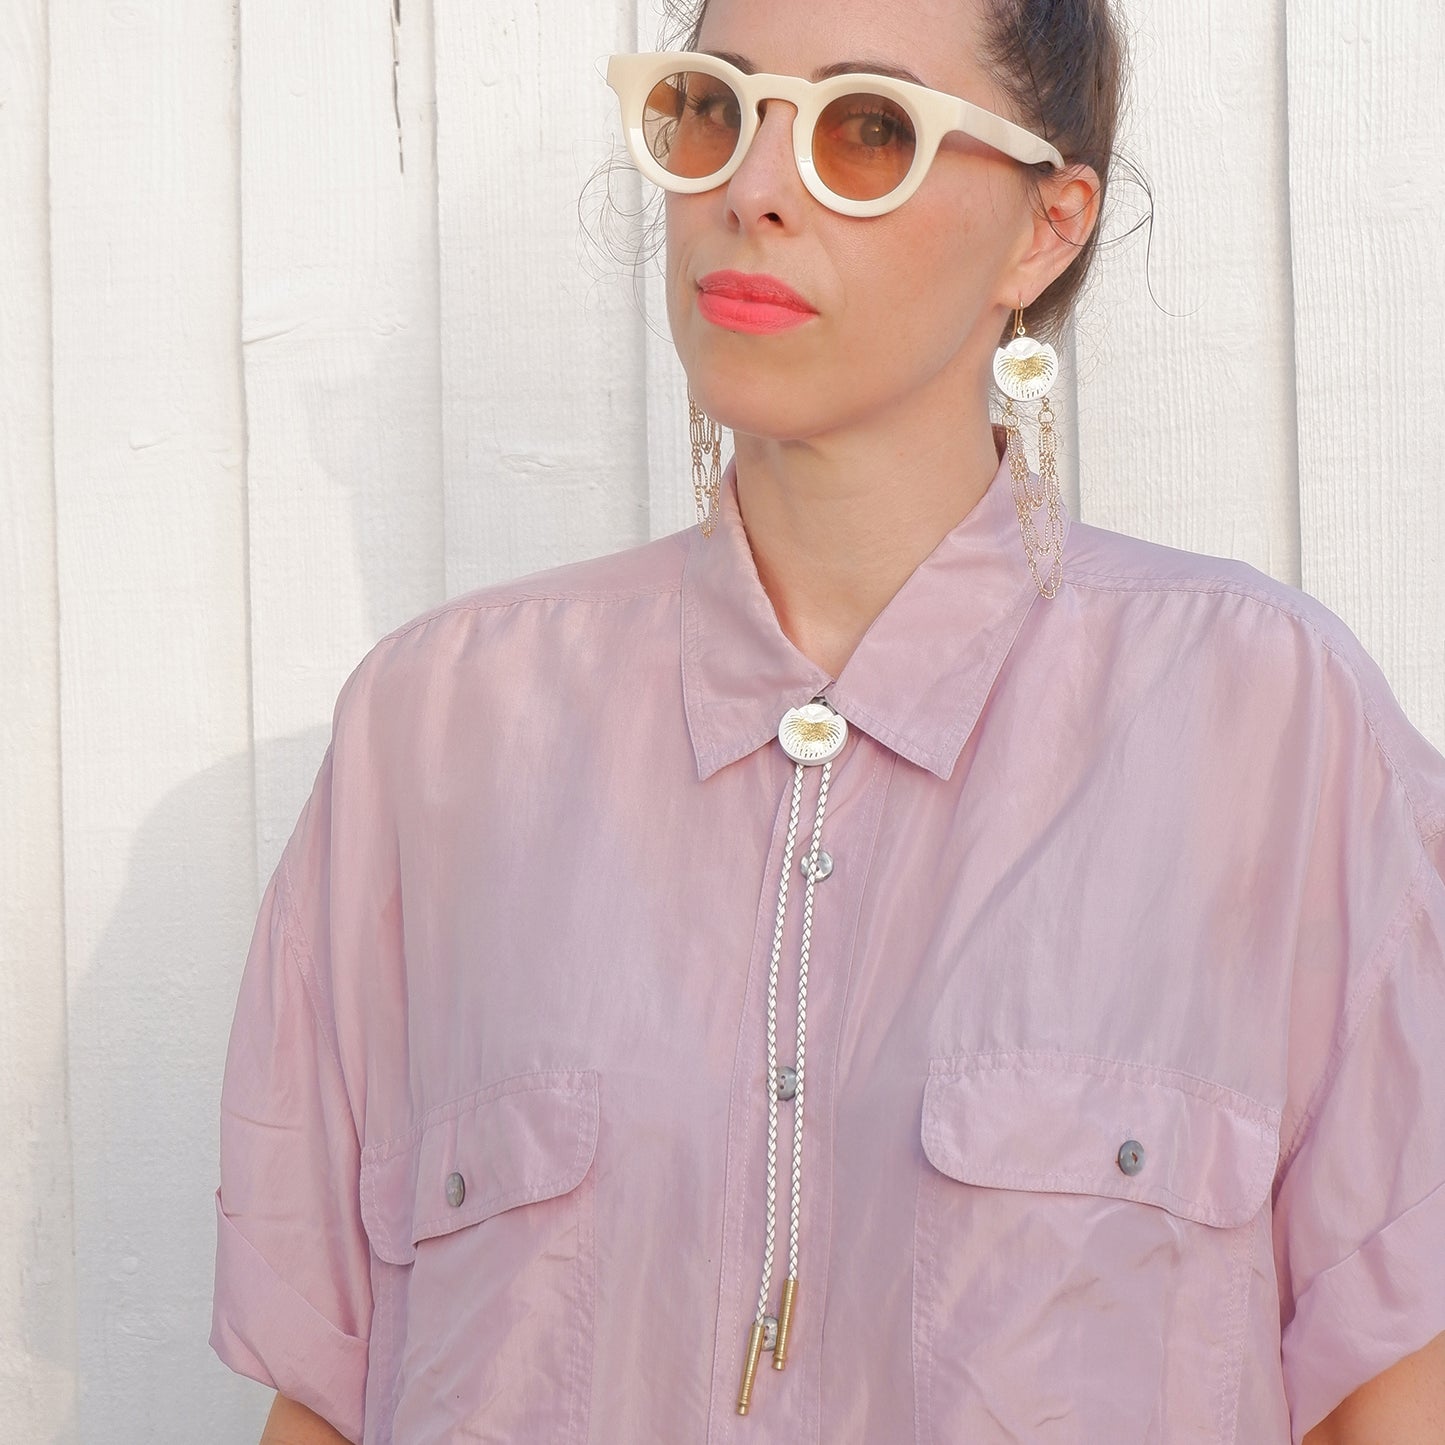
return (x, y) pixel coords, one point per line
(1131, 1156)
(825, 865)
(456, 1190)
(787, 1083)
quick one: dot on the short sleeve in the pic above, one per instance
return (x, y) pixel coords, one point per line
(1360, 1206)
(292, 1302)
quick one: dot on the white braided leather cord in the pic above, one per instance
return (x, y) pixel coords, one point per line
(795, 1203)
(797, 1200)
(772, 1081)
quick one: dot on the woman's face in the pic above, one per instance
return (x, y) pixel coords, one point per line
(909, 304)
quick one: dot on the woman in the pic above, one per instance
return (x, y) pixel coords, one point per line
(886, 964)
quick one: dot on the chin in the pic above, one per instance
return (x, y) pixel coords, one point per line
(777, 403)
(778, 418)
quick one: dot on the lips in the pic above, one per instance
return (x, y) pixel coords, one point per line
(759, 304)
(739, 286)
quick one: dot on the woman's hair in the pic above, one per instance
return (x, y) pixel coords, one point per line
(1064, 66)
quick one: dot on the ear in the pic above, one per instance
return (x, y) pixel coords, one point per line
(1065, 211)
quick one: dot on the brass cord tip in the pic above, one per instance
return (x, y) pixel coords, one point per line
(785, 1320)
(750, 1370)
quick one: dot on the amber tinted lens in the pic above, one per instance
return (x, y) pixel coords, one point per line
(692, 122)
(864, 146)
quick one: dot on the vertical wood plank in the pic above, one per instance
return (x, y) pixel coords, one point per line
(1370, 329)
(545, 457)
(1186, 420)
(669, 454)
(155, 711)
(342, 361)
(37, 1285)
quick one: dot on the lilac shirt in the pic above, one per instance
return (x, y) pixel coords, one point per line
(1157, 861)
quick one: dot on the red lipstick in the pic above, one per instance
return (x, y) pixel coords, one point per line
(761, 305)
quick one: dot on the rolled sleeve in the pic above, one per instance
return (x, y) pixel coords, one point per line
(263, 1328)
(292, 1304)
(1360, 1211)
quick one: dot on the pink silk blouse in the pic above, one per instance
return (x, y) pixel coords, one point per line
(1125, 1065)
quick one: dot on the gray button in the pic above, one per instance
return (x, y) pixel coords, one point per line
(456, 1190)
(825, 865)
(770, 1332)
(1131, 1156)
(787, 1083)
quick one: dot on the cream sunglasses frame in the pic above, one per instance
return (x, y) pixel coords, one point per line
(933, 113)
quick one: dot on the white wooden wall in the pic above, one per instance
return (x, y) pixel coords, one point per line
(297, 336)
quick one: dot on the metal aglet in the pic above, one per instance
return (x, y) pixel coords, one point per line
(785, 1322)
(750, 1370)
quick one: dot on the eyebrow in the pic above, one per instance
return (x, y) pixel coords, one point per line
(843, 67)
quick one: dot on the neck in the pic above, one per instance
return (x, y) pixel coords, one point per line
(838, 524)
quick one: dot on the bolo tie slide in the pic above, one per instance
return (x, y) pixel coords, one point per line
(811, 736)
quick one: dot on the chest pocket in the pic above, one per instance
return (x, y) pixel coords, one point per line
(483, 1218)
(1082, 1244)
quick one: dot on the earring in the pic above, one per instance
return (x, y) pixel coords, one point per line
(1025, 370)
(706, 465)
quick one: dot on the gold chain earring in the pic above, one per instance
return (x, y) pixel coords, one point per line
(1025, 370)
(706, 465)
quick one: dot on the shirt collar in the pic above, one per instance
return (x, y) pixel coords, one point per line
(916, 682)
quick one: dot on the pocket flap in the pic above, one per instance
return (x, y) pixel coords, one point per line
(526, 1138)
(1056, 1122)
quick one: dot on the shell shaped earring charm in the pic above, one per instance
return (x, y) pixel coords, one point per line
(1025, 369)
(813, 733)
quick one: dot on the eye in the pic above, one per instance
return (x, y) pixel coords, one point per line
(864, 146)
(874, 126)
(692, 123)
(712, 103)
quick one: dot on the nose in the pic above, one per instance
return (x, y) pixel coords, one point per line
(766, 188)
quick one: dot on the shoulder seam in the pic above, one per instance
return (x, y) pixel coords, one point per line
(501, 604)
(1128, 582)
(1105, 582)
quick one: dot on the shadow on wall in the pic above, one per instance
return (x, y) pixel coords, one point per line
(149, 1023)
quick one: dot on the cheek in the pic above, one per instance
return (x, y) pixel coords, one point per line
(925, 279)
(942, 266)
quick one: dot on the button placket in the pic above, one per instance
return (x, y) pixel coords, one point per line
(811, 736)
(857, 804)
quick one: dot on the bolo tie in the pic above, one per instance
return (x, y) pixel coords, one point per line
(812, 736)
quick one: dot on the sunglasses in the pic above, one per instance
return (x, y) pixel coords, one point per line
(863, 143)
